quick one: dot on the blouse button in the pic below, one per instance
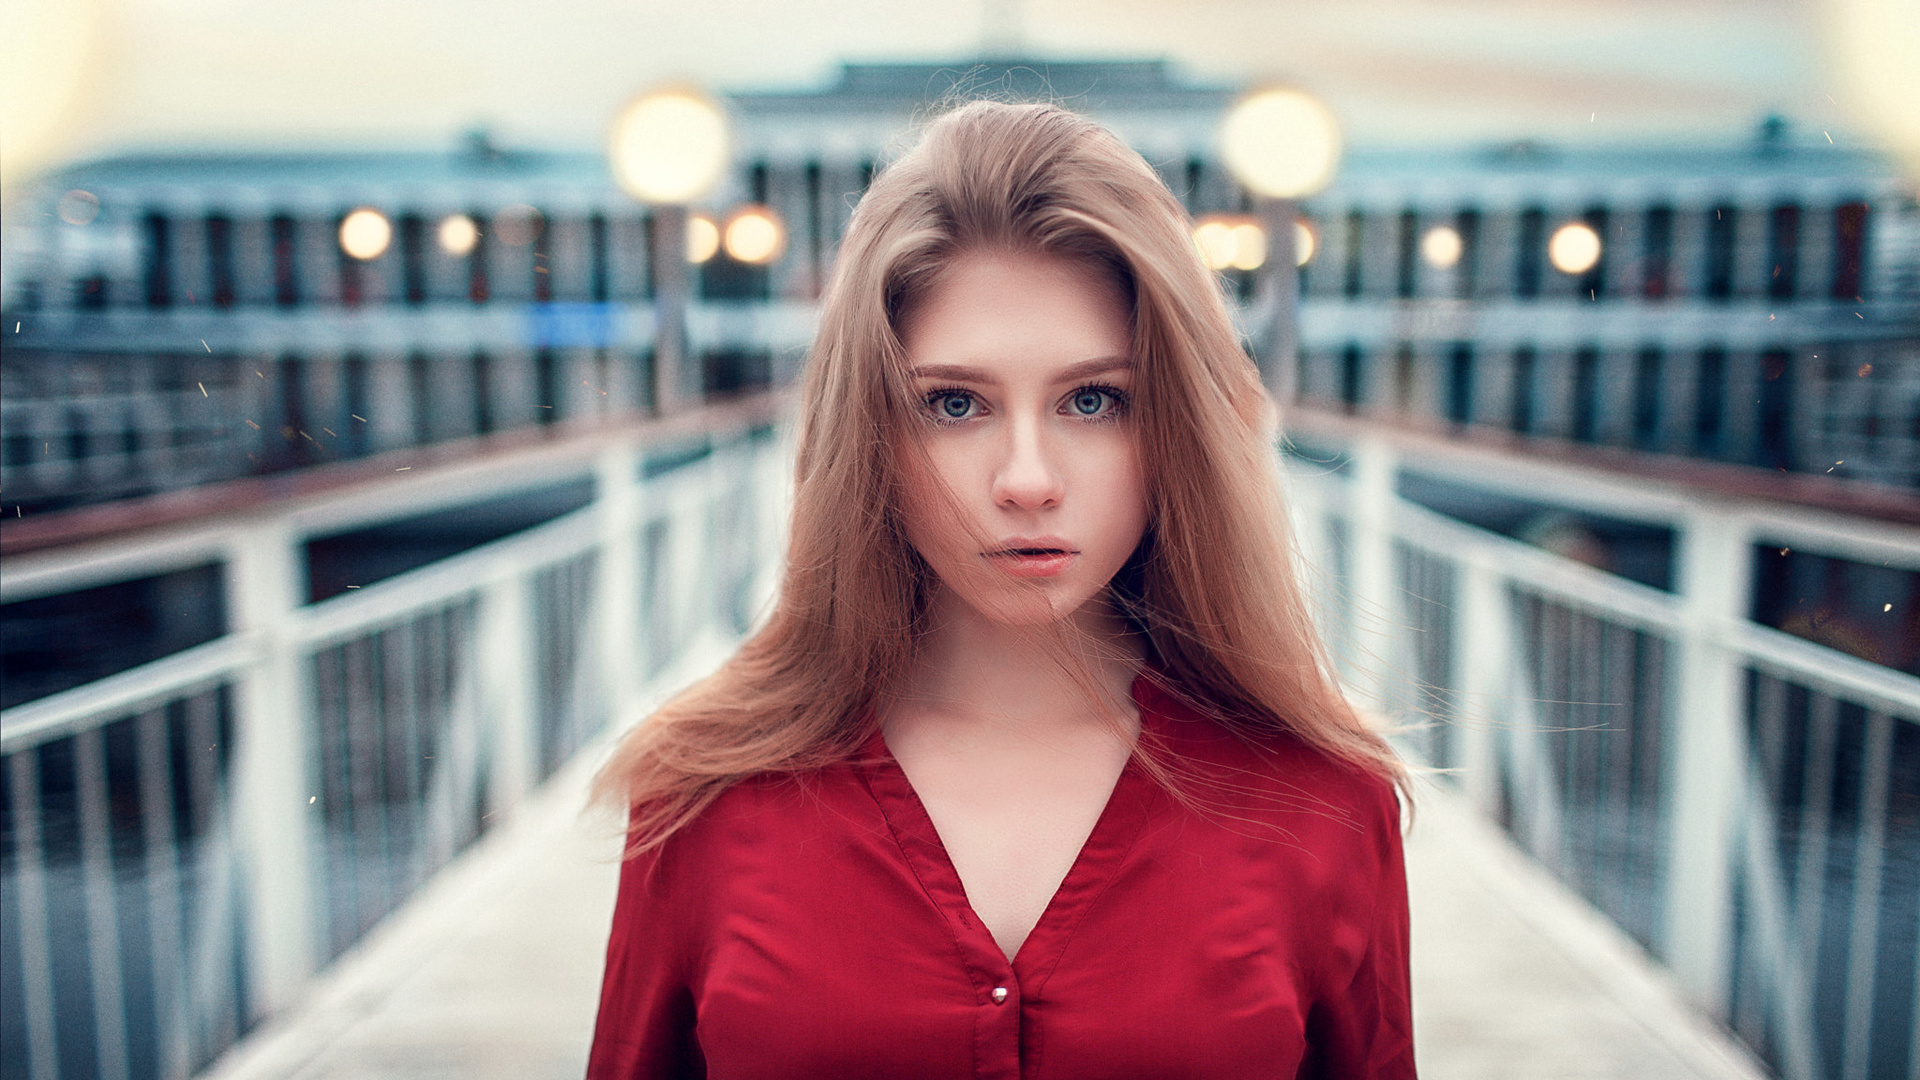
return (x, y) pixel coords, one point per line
(999, 995)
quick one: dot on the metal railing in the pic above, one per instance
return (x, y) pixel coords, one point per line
(187, 843)
(1744, 803)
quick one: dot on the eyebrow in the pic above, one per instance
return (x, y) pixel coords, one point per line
(1072, 373)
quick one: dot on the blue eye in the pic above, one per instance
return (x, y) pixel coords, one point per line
(1095, 402)
(950, 404)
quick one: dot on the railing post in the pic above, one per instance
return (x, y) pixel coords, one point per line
(1375, 607)
(1706, 762)
(1306, 504)
(1483, 658)
(272, 769)
(617, 599)
(773, 463)
(683, 573)
(507, 657)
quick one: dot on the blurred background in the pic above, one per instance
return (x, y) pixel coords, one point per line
(393, 396)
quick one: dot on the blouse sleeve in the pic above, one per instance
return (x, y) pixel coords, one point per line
(646, 1022)
(1365, 1031)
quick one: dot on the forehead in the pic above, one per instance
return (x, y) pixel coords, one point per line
(1002, 307)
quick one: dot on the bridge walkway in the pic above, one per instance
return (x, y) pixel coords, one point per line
(491, 972)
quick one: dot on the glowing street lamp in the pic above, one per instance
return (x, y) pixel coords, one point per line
(1872, 45)
(1305, 242)
(1282, 144)
(703, 238)
(755, 235)
(669, 148)
(1574, 248)
(1231, 241)
(1442, 247)
(458, 234)
(365, 234)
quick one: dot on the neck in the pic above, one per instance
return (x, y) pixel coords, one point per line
(1042, 678)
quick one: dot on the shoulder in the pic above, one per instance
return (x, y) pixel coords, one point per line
(766, 817)
(1274, 774)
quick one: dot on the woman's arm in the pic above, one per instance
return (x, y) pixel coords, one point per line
(646, 1021)
(1365, 1031)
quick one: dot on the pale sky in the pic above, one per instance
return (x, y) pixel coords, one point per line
(87, 77)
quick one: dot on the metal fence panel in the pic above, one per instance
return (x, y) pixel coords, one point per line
(1566, 702)
(424, 706)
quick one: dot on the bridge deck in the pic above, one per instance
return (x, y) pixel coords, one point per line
(492, 971)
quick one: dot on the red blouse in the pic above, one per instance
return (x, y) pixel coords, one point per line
(812, 926)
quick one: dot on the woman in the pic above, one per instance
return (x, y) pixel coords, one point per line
(1037, 768)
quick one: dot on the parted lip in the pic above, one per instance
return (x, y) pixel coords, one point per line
(1032, 545)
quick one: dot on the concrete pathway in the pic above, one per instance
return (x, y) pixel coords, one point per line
(1516, 977)
(492, 972)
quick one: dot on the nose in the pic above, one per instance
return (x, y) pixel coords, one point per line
(1026, 478)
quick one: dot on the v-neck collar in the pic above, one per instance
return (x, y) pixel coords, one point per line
(1093, 869)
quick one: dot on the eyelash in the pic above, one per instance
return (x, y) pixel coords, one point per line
(1114, 393)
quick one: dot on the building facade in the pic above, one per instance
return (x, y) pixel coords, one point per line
(177, 320)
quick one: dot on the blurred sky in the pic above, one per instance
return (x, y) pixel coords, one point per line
(80, 78)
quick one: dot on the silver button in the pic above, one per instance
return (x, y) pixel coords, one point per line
(999, 995)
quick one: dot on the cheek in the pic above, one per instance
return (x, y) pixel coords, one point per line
(926, 504)
(1127, 510)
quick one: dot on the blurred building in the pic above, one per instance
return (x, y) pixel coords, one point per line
(183, 319)
(1756, 303)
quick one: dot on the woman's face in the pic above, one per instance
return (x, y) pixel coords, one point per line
(1022, 365)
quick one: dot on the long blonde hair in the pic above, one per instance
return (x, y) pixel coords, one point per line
(1213, 587)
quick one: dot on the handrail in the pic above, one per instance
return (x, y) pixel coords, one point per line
(1573, 582)
(1822, 511)
(55, 715)
(1834, 672)
(330, 620)
(319, 624)
(74, 549)
(445, 580)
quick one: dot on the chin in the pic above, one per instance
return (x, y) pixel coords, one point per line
(1033, 609)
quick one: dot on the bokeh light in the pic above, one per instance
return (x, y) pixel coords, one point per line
(1441, 247)
(1305, 242)
(79, 207)
(1574, 248)
(1281, 143)
(1213, 236)
(458, 234)
(365, 234)
(1876, 48)
(517, 225)
(703, 238)
(1249, 246)
(669, 147)
(755, 234)
(1230, 242)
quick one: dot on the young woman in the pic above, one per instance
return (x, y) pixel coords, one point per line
(1037, 768)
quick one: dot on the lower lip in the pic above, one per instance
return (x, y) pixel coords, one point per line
(1033, 565)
